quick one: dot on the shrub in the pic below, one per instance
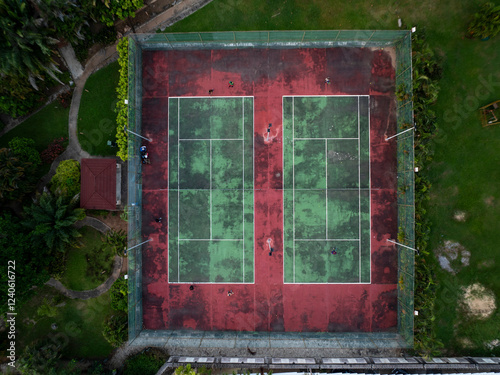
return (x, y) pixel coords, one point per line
(65, 98)
(66, 181)
(116, 329)
(486, 22)
(47, 309)
(117, 240)
(146, 363)
(119, 295)
(121, 107)
(25, 150)
(54, 149)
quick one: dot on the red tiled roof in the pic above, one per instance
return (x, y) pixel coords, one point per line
(98, 189)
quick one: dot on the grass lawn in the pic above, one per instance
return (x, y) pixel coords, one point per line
(76, 277)
(465, 172)
(79, 324)
(44, 126)
(96, 116)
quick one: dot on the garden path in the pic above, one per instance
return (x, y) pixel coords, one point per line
(96, 292)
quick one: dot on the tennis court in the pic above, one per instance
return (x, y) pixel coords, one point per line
(282, 160)
(326, 157)
(211, 189)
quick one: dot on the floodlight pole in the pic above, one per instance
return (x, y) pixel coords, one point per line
(142, 243)
(395, 135)
(397, 243)
(134, 133)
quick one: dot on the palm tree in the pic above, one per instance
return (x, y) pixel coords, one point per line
(52, 220)
(25, 45)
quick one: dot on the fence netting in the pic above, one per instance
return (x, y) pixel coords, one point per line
(399, 39)
(134, 191)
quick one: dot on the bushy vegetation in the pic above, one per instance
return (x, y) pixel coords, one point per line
(426, 73)
(145, 363)
(121, 107)
(486, 22)
(30, 32)
(117, 240)
(119, 295)
(31, 260)
(116, 329)
(66, 181)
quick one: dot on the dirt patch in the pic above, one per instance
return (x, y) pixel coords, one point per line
(459, 216)
(486, 264)
(489, 201)
(452, 256)
(478, 301)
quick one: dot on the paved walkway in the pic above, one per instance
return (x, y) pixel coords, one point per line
(94, 223)
(93, 293)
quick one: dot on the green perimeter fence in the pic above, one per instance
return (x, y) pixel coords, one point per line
(399, 39)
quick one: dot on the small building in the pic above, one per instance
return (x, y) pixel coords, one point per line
(101, 181)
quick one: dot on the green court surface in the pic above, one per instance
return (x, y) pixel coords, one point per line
(211, 204)
(326, 189)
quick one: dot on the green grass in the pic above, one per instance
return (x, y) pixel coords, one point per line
(97, 117)
(79, 324)
(75, 276)
(465, 172)
(44, 126)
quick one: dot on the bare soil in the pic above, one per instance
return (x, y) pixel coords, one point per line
(479, 301)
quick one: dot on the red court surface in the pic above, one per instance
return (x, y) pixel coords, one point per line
(269, 304)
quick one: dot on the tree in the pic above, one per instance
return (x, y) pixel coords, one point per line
(66, 181)
(31, 260)
(108, 11)
(64, 18)
(16, 177)
(25, 45)
(52, 221)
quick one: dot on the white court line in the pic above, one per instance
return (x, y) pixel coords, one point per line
(168, 191)
(293, 182)
(210, 189)
(319, 139)
(326, 188)
(253, 185)
(359, 193)
(283, 176)
(321, 96)
(328, 239)
(178, 191)
(304, 283)
(211, 139)
(243, 210)
(211, 97)
(209, 239)
(313, 189)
